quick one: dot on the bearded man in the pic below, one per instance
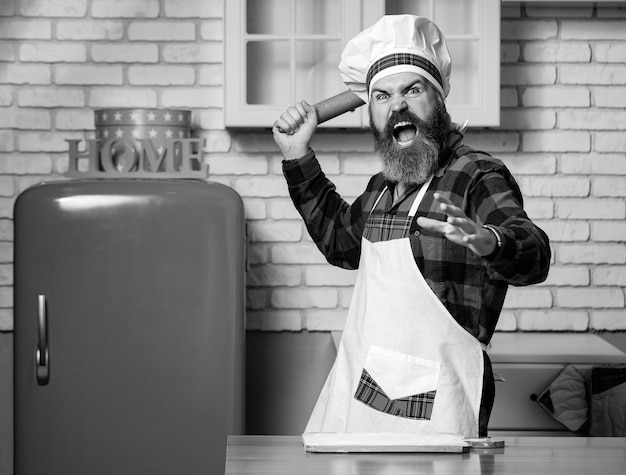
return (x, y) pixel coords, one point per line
(437, 236)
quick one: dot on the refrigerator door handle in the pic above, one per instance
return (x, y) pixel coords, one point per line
(42, 359)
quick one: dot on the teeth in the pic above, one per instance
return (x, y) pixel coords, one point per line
(402, 124)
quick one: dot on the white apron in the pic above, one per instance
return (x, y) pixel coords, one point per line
(403, 364)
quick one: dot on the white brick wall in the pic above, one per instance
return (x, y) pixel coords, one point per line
(562, 134)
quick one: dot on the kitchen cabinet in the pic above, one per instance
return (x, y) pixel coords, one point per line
(281, 51)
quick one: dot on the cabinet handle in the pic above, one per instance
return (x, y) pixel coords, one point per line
(42, 357)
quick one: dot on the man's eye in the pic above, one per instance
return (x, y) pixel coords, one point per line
(381, 97)
(413, 91)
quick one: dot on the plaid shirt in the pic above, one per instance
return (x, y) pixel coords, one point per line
(471, 287)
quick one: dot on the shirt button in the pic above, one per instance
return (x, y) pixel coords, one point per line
(416, 233)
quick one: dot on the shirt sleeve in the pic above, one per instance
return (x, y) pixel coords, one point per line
(334, 225)
(524, 258)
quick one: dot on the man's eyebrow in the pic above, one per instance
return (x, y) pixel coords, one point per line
(418, 81)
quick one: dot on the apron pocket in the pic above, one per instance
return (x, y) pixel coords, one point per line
(398, 384)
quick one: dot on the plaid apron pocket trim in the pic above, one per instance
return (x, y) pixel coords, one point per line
(418, 406)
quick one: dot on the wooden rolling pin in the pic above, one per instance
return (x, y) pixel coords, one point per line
(337, 105)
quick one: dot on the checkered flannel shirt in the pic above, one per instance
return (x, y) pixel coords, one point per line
(471, 287)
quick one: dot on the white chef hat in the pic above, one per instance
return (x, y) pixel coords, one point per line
(396, 43)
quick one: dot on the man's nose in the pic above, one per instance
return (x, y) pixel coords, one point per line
(398, 103)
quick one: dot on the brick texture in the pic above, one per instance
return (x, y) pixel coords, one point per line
(563, 97)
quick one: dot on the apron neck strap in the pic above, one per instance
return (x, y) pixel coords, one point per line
(420, 196)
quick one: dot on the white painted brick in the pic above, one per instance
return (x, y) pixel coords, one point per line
(6, 274)
(528, 30)
(528, 297)
(7, 141)
(45, 141)
(325, 320)
(567, 276)
(508, 97)
(280, 231)
(74, 119)
(296, 253)
(506, 323)
(593, 30)
(126, 53)
(539, 208)
(614, 96)
(556, 96)
(125, 8)
(611, 320)
(609, 141)
(7, 9)
(89, 30)
(194, 53)
(254, 143)
(609, 275)
(208, 119)
(593, 163)
(257, 298)
(558, 186)
(282, 209)
(50, 97)
(609, 186)
(254, 208)
(53, 53)
(610, 10)
(556, 141)
(25, 74)
(262, 186)
(527, 119)
(58, 8)
(600, 253)
(258, 253)
(608, 231)
(212, 30)
(492, 142)
(557, 52)
(304, 298)
(610, 52)
(194, 8)
(275, 320)
(217, 141)
(26, 164)
(509, 53)
(343, 142)
(591, 298)
(327, 275)
(7, 188)
(26, 29)
(361, 164)
(162, 31)
(530, 163)
(553, 320)
(210, 75)
(599, 74)
(89, 75)
(6, 233)
(6, 320)
(106, 97)
(32, 119)
(197, 97)
(538, 10)
(591, 118)
(238, 165)
(161, 75)
(6, 248)
(350, 187)
(527, 75)
(273, 276)
(511, 10)
(566, 231)
(345, 297)
(7, 51)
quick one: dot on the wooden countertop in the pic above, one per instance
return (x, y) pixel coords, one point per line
(249, 454)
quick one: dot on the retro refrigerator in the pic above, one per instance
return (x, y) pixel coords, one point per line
(129, 327)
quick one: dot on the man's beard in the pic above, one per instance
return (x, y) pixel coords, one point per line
(415, 163)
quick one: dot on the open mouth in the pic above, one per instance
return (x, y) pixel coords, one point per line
(404, 133)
